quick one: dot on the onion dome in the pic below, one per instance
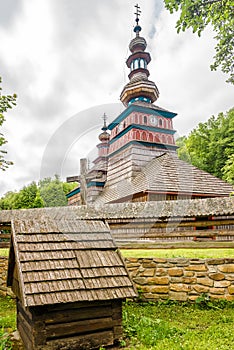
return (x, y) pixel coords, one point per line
(104, 136)
(137, 44)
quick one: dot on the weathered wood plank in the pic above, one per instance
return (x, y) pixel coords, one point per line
(192, 233)
(71, 315)
(4, 244)
(24, 325)
(5, 235)
(27, 341)
(77, 305)
(84, 341)
(174, 245)
(54, 331)
(179, 223)
(25, 313)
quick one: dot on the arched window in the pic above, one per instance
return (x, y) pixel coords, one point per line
(169, 139)
(150, 137)
(145, 119)
(156, 139)
(138, 135)
(160, 123)
(144, 136)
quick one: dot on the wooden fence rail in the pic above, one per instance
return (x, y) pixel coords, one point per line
(179, 233)
(5, 235)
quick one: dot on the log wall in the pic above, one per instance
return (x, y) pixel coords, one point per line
(70, 326)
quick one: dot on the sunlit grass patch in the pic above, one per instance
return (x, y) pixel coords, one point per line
(178, 253)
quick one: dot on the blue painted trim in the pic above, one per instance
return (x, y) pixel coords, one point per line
(73, 192)
(135, 108)
(142, 127)
(146, 144)
(140, 98)
(96, 184)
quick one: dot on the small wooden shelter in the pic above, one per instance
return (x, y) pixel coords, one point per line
(69, 281)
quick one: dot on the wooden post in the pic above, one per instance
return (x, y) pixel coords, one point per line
(83, 184)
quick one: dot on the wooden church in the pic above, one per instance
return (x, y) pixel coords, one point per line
(137, 160)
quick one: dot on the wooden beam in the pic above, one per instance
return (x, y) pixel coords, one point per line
(192, 233)
(174, 245)
(172, 224)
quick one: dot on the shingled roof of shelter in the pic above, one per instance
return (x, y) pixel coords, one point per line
(219, 206)
(167, 174)
(68, 260)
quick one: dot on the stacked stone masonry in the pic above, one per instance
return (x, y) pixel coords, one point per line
(3, 277)
(182, 279)
(175, 279)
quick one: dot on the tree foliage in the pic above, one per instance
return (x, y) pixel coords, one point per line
(197, 14)
(49, 192)
(210, 146)
(6, 102)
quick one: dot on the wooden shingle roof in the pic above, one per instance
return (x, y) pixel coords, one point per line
(159, 209)
(69, 260)
(167, 174)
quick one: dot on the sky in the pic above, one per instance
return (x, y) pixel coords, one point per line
(66, 62)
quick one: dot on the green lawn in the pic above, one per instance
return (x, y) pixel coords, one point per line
(4, 252)
(178, 253)
(169, 253)
(161, 326)
(7, 321)
(178, 326)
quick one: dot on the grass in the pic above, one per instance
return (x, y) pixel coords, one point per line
(168, 253)
(178, 253)
(159, 326)
(175, 326)
(7, 321)
(4, 252)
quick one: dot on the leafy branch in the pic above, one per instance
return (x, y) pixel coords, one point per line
(197, 14)
(6, 102)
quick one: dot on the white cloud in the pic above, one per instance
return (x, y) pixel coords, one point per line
(63, 57)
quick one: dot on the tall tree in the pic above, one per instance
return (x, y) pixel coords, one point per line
(49, 192)
(26, 197)
(6, 102)
(210, 146)
(53, 191)
(228, 169)
(197, 14)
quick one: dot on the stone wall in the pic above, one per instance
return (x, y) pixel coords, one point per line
(175, 279)
(3, 276)
(182, 279)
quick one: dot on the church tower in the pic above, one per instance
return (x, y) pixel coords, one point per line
(137, 160)
(143, 130)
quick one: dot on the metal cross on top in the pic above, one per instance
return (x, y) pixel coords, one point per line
(137, 13)
(104, 119)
